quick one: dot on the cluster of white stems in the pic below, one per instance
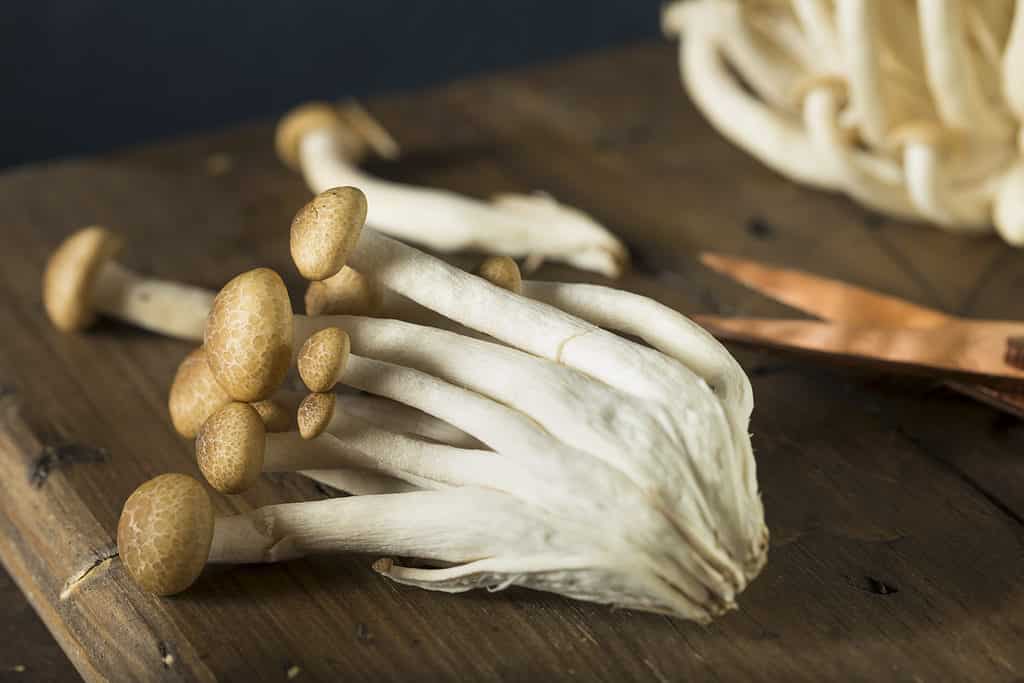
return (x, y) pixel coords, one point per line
(911, 108)
(515, 439)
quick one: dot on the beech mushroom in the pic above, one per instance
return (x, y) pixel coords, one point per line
(233, 448)
(610, 471)
(83, 279)
(932, 81)
(324, 146)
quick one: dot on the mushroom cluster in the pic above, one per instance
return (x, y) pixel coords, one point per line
(507, 437)
(326, 144)
(910, 107)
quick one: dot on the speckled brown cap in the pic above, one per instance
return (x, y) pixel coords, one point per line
(348, 292)
(323, 358)
(195, 394)
(165, 533)
(295, 124)
(230, 448)
(70, 274)
(325, 231)
(502, 271)
(315, 413)
(248, 336)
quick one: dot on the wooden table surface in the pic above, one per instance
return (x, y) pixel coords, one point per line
(896, 507)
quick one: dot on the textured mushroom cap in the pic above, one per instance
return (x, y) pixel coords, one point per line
(248, 336)
(165, 533)
(70, 273)
(230, 447)
(325, 231)
(502, 271)
(315, 413)
(295, 124)
(347, 292)
(195, 394)
(323, 358)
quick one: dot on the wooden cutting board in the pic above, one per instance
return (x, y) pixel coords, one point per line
(896, 507)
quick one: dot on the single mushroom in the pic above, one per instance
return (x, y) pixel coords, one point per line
(83, 279)
(168, 532)
(233, 448)
(322, 144)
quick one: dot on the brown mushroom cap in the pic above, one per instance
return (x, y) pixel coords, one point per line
(248, 336)
(230, 448)
(70, 274)
(502, 271)
(165, 533)
(347, 292)
(325, 231)
(315, 413)
(195, 394)
(295, 124)
(323, 358)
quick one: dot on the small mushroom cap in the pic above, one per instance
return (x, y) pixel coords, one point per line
(503, 272)
(315, 413)
(323, 358)
(347, 292)
(295, 124)
(230, 448)
(325, 231)
(195, 394)
(248, 336)
(70, 274)
(165, 533)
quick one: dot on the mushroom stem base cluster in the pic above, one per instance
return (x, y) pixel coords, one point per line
(911, 108)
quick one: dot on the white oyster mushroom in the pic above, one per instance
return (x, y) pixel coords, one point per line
(911, 108)
(325, 144)
(608, 471)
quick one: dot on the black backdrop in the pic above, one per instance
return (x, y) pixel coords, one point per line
(81, 76)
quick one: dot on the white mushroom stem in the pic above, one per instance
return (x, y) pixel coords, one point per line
(441, 525)
(359, 482)
(660, 326)
(834, 149)
(773, 139)
(515, 225)
(1013, 64)
(397, 417)
(857, 21)
(161, 306)
(817, 22)
(352, 442)
(951, 76)
(933, 196)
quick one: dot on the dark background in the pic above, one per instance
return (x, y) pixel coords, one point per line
(81, 76)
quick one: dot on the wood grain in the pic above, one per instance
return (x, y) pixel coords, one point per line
(896, 506)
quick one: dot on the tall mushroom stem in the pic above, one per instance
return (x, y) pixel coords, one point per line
(772, 138)
(951, 73)
(83, 279)
(1013, 64)
(857, 21)
(312, 139)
